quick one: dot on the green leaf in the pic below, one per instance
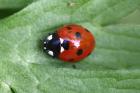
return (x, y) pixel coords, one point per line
(132, 18)
(7, 12)
(9, 7)
(8, 4)
(113, 67)
(105, 12)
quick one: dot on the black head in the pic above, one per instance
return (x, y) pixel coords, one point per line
(54, 45)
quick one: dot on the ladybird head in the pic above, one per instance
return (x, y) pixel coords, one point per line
(52, 44)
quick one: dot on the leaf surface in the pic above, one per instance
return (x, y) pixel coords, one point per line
(113, 67)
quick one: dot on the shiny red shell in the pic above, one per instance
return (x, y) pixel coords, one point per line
(81, 42)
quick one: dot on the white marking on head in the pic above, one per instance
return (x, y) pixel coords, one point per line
(62, 49)
(61, 40)
(50, 53)
(45, 48)
(49, 37)
(44, 42)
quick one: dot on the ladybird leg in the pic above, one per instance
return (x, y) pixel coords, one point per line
(12, 90)
(49, 34)
(55, 55)
(74, 66)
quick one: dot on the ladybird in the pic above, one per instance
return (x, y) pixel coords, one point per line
(70, 43)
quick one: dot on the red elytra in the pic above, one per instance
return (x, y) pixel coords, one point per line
(81, 42)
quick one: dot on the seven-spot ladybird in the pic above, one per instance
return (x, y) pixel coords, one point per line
(70, 43)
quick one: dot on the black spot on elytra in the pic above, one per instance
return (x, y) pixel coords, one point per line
(69, 28)
(87, 30)
(78, 35)
(71, 59)
(79, 52)
(65, 44)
